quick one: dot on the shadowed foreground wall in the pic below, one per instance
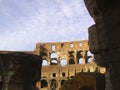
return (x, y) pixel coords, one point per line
(20, 71)
(104, 38)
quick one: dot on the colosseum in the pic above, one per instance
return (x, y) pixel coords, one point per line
(21, 71)
(63, 60)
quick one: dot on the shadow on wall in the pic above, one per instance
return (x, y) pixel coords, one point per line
(86, 88)
(85, 81)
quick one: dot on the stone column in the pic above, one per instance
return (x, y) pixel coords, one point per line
(104, 38)
(20, 71)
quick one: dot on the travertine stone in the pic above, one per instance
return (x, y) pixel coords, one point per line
(76, 55)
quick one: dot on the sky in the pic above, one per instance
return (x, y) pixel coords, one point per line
(23, 23)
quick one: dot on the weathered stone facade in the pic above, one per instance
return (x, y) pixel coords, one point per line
(104, 38)
(62, 61)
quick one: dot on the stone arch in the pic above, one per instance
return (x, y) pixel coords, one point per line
(90, 60)
(71, 61)
(89, 53)
(81, 61)
(45, 62)
(63, 62)
(53, 55)
(44, 83)
(53, 62)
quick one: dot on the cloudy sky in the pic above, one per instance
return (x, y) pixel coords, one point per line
(23, 23)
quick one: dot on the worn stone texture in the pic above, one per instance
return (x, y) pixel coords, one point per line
(20, 71)
(71, 52)
(85, 81)
(106, 43)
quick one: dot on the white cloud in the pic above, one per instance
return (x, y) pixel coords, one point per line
(44, 22)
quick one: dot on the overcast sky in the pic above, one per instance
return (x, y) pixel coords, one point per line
(23, 23)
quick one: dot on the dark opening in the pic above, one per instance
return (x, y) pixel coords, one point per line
(62, 82)
(44, 84)
(63, 74)
(62, 45)
(54, 74)
(71, 61)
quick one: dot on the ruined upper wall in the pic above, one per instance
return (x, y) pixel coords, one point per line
(70, 51)
(72, 45)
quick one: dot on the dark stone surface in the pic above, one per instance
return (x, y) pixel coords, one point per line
(105, 38)
(20, 71)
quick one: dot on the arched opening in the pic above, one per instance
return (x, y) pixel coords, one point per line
(63, 62)
(81, 61)
(53, 84)
(53, 47)
(53, 62)
(80, 44)
(53, 55)
(71, 77)
(89, 53)
(71, 61)
(44, 84)
(62, 82)
(71, 45)
(44, 63)
(71, 53)
(90, 60)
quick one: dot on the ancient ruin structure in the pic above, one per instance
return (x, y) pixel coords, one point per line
(104, 38)
(62, 61)
(85, 81)
(19, 71)
(104, 43)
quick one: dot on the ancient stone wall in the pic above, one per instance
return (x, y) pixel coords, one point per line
(62, 61)
(72, 52)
